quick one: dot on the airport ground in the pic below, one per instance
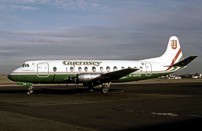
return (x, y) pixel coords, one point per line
(145, 105)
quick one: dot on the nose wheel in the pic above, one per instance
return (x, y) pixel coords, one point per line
(30, 90)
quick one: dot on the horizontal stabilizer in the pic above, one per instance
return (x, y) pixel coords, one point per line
(184, 62)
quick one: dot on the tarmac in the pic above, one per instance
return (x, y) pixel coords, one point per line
(133, 106)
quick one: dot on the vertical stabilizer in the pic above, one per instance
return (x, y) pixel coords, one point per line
(173, 53)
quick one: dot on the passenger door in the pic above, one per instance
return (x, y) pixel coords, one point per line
(42, 70)
(148, 68)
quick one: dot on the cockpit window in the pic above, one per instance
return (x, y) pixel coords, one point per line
(25, 65)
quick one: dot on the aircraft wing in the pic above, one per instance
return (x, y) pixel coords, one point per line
(185, 62)
(115, 75)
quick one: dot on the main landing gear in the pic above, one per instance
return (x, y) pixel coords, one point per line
(104, 87)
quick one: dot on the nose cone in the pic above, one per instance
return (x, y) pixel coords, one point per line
(11, 77)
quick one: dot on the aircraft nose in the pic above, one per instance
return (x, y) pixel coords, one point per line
(10, 77)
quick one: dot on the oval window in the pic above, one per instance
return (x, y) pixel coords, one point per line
(108, 68)
(71, 69)
(54, 69)
(86, 69)
(141, 68)
(93, 69)
(80, 69)
(115, 68)
(101, 69)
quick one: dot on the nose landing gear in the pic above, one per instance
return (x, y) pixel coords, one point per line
(30, 90)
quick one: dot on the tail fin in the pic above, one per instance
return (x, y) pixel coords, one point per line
(173, 53)
(172, 57)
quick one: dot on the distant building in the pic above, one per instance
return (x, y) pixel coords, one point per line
(174, 76)
(197, 76)
(186, 75)
(183, 76)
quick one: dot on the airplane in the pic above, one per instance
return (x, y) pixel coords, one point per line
(94, 73)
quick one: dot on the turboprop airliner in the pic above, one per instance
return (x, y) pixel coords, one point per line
(93, 73)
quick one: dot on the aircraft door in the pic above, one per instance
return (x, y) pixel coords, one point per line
(42, 70)
(148, 68)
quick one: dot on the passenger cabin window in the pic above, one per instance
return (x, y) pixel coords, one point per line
(71, 69)
(101, 69)
(108, 69)
(141, 68)
(93, 69)
(115, 68)
(86, 69)
(54, 69)
(80, 69)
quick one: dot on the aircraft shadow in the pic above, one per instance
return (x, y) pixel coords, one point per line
(44, 90)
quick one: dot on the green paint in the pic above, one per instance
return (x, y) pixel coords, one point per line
(24, 84)
(70, 78)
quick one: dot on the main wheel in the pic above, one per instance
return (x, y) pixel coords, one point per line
(105, 90)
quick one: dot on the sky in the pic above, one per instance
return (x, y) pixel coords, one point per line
(97, 29)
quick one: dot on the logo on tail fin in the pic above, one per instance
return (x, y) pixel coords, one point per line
(174, 44)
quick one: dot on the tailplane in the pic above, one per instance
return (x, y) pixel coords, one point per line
(184, 62)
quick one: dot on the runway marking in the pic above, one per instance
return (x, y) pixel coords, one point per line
(164, 114)
(143, 112)
(158, 113)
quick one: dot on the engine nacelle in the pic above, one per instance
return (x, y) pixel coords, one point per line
(86, 77)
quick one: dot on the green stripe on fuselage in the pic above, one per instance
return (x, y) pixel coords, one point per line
(69, 78)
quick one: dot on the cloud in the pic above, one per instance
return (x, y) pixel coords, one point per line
(96, 29)
(13, 6)
(86, 43)
(69, 42)
(81, 4)
(159, 15)
(62, 36)
(33, 4)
